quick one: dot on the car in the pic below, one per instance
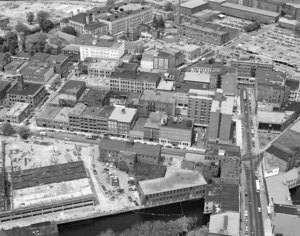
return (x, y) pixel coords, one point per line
(250, 203)
(135, 202)
(246, 228)
(252, 233)
(68, 139)
(130, 198)
(95, 172)
(259, 209)
(246, 213)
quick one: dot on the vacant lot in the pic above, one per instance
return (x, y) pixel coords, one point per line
(18, 10)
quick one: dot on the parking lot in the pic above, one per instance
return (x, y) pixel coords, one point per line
(115, 185)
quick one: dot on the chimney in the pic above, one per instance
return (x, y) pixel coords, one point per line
(178, 12)
(21, 84)
(87, 19)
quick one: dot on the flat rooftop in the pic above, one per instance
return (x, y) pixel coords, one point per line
(47, 175)
(135, 76)
(72, 87)
(269, 117)
(227, 106)
(13, 65)
(91, 95)
(206, 28)
(123, 114)
(193, 3)
(196, 77)
(97, 112)
(225, 223)
(104, 64)
(154, 120)
(177, 123)
(215, 105)
(174, 179)
(17, 109)
(158, 96)
(30, 89)
(63, 115)
(202, 92)
(34, 68)
(51, 193)
(49, 112)
(250, 9)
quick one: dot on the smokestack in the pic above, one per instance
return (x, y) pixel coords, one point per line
(178, 12)
(21, 84)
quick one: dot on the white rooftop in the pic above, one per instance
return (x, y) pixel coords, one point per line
(123, 114)
(201, 92)
(271, 117)
(51, 193)
(104, 64)
(17, 109)
(227, 223)
(196, 77)
(227, 106)
(215, 106)
(165, 85)
(173, 180)
(193, 3)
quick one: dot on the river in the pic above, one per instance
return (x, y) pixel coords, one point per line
(121, 222)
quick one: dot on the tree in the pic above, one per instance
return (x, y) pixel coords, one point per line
(12, 42)
(41, 42)
(168, 7)
(297, 28)
(69, 30)
(30, 17)
(161, 23)
(23, 132)
(108, 232)
(7, 129)
(21, 28)
(42, 17)
(47, 26)
(155, 22)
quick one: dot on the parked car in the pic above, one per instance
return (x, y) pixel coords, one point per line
(130, 198)
(135, 202)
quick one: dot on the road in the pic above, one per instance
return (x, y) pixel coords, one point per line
(250, 162)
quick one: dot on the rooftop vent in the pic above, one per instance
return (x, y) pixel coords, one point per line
(123, 111)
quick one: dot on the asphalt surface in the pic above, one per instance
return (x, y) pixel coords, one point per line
(250, 161)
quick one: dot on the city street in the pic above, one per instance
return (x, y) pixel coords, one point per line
(253, 222)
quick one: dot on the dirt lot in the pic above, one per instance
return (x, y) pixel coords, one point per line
(17, 11)
(38, 152)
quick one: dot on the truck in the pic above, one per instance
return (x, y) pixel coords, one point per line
(257, 185)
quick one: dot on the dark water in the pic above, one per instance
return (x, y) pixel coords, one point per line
(121, 222)
(295, 195)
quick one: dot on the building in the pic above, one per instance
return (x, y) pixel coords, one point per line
(226, 121)
(59, 62)
(25, 92)
(17, 113)
(94, 97)
(284, 152)
(199, 106)
(152, 101)
(275, 121)
(133, 81)
(4, 86)
(124, 16)
(230, 172)
(70, 93)
(207, 32)
(201, 78)
(191, 7)
(271, 5)
(61, 120)
(287, 23)
(214, 122)
(46, 116)
(121, 120)
(221, 198)
(294, 89)
(170, 128)
(102, 68)
(176, 186)
(152, 125)
(37, 72)
(14, 66)
(72, 51)
(248, 13)
(5, 58)
(101, 49)
(110, 150)
(85, 23)
(60, 188)
(190, 51)
(90, 119)
(246, 68)
(225, 223)
(229, 82)
(167, 59)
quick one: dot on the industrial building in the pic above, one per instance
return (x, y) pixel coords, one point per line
(102, 68)
(49, 189)
(170, 128)
(70, 93)
(37, 72)
(177, 185)
(193, 6)
(31, 93)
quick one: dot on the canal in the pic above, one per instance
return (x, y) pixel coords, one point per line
(119, 223)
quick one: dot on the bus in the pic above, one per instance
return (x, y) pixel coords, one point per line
(257, 185)
(244, 94)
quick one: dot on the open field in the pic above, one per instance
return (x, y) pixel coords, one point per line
(17, 11)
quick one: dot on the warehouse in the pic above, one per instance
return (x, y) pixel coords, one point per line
(193, 6)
